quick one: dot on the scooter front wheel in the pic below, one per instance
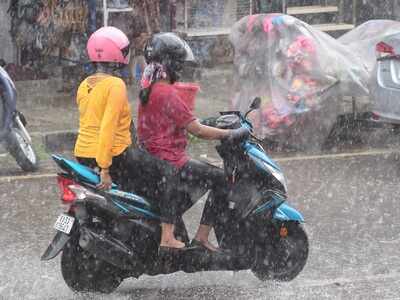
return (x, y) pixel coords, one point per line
(284, 255)
(22, 150)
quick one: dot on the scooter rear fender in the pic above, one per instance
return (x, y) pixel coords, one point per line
(57, 244)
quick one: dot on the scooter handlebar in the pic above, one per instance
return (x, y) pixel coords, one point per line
(238, 135)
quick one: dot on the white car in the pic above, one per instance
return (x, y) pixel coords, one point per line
(377, 42)
(385, 81)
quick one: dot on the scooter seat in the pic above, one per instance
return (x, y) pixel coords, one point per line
(84, 173)
(88, 175)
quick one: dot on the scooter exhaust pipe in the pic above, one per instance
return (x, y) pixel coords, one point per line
(109, 249)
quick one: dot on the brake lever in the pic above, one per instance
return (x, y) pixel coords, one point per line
(256, 138)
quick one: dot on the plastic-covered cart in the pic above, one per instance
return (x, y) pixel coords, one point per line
(298, 71)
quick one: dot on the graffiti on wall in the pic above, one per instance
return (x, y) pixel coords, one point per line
(48, 28)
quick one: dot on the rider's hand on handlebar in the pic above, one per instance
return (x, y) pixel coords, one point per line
(105, 180)
(239, 134)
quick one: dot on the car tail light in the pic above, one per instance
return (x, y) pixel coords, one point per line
(383, 49)
(375, 116)
(67, 196)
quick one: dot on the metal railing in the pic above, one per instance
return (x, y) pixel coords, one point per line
(341, 8)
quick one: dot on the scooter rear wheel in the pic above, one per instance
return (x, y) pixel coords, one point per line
(284, 256)
(82, 272)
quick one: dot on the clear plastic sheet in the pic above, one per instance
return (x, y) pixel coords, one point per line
(363, 39)
(298, 71)
(384, 84)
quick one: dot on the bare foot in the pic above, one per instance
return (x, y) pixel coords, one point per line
(172, 244)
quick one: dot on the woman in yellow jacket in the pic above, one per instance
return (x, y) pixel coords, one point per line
(104, 137)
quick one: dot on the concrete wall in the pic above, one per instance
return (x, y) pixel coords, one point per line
(372, 9)
(376, 9)
(6, 46)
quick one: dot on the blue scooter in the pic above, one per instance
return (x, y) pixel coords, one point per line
(108, 236)
(13, 133)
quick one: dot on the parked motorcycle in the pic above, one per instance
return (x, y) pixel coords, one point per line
(107, 236)
(13, 133)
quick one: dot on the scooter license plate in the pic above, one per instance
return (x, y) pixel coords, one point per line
(64, 223)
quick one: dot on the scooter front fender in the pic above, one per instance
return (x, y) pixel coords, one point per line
(56, 245)
(8, 99)
(3, 133)
(286, 213)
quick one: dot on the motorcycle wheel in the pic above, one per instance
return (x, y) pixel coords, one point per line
(22, 150)
(82, 272)
(284, 256)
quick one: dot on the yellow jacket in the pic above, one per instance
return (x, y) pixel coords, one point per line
(104, 118)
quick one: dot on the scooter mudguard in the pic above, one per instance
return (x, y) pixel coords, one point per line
(56, 245)
(286, 213)
(9, 100)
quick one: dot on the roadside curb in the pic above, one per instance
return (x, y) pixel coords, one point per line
(59, 141)
(46, 92)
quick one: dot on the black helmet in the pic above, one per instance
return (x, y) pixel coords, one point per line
(169, 50)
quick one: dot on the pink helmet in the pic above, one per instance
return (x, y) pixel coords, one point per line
(108, 44)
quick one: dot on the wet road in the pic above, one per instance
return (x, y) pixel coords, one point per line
(350, 203)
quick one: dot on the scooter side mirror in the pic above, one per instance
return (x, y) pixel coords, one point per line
(256, 103)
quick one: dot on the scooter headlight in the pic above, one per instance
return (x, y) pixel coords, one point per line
(278, 175)
(274, 172)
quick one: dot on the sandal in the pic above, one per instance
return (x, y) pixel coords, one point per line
(171, 250)
(199, 245)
